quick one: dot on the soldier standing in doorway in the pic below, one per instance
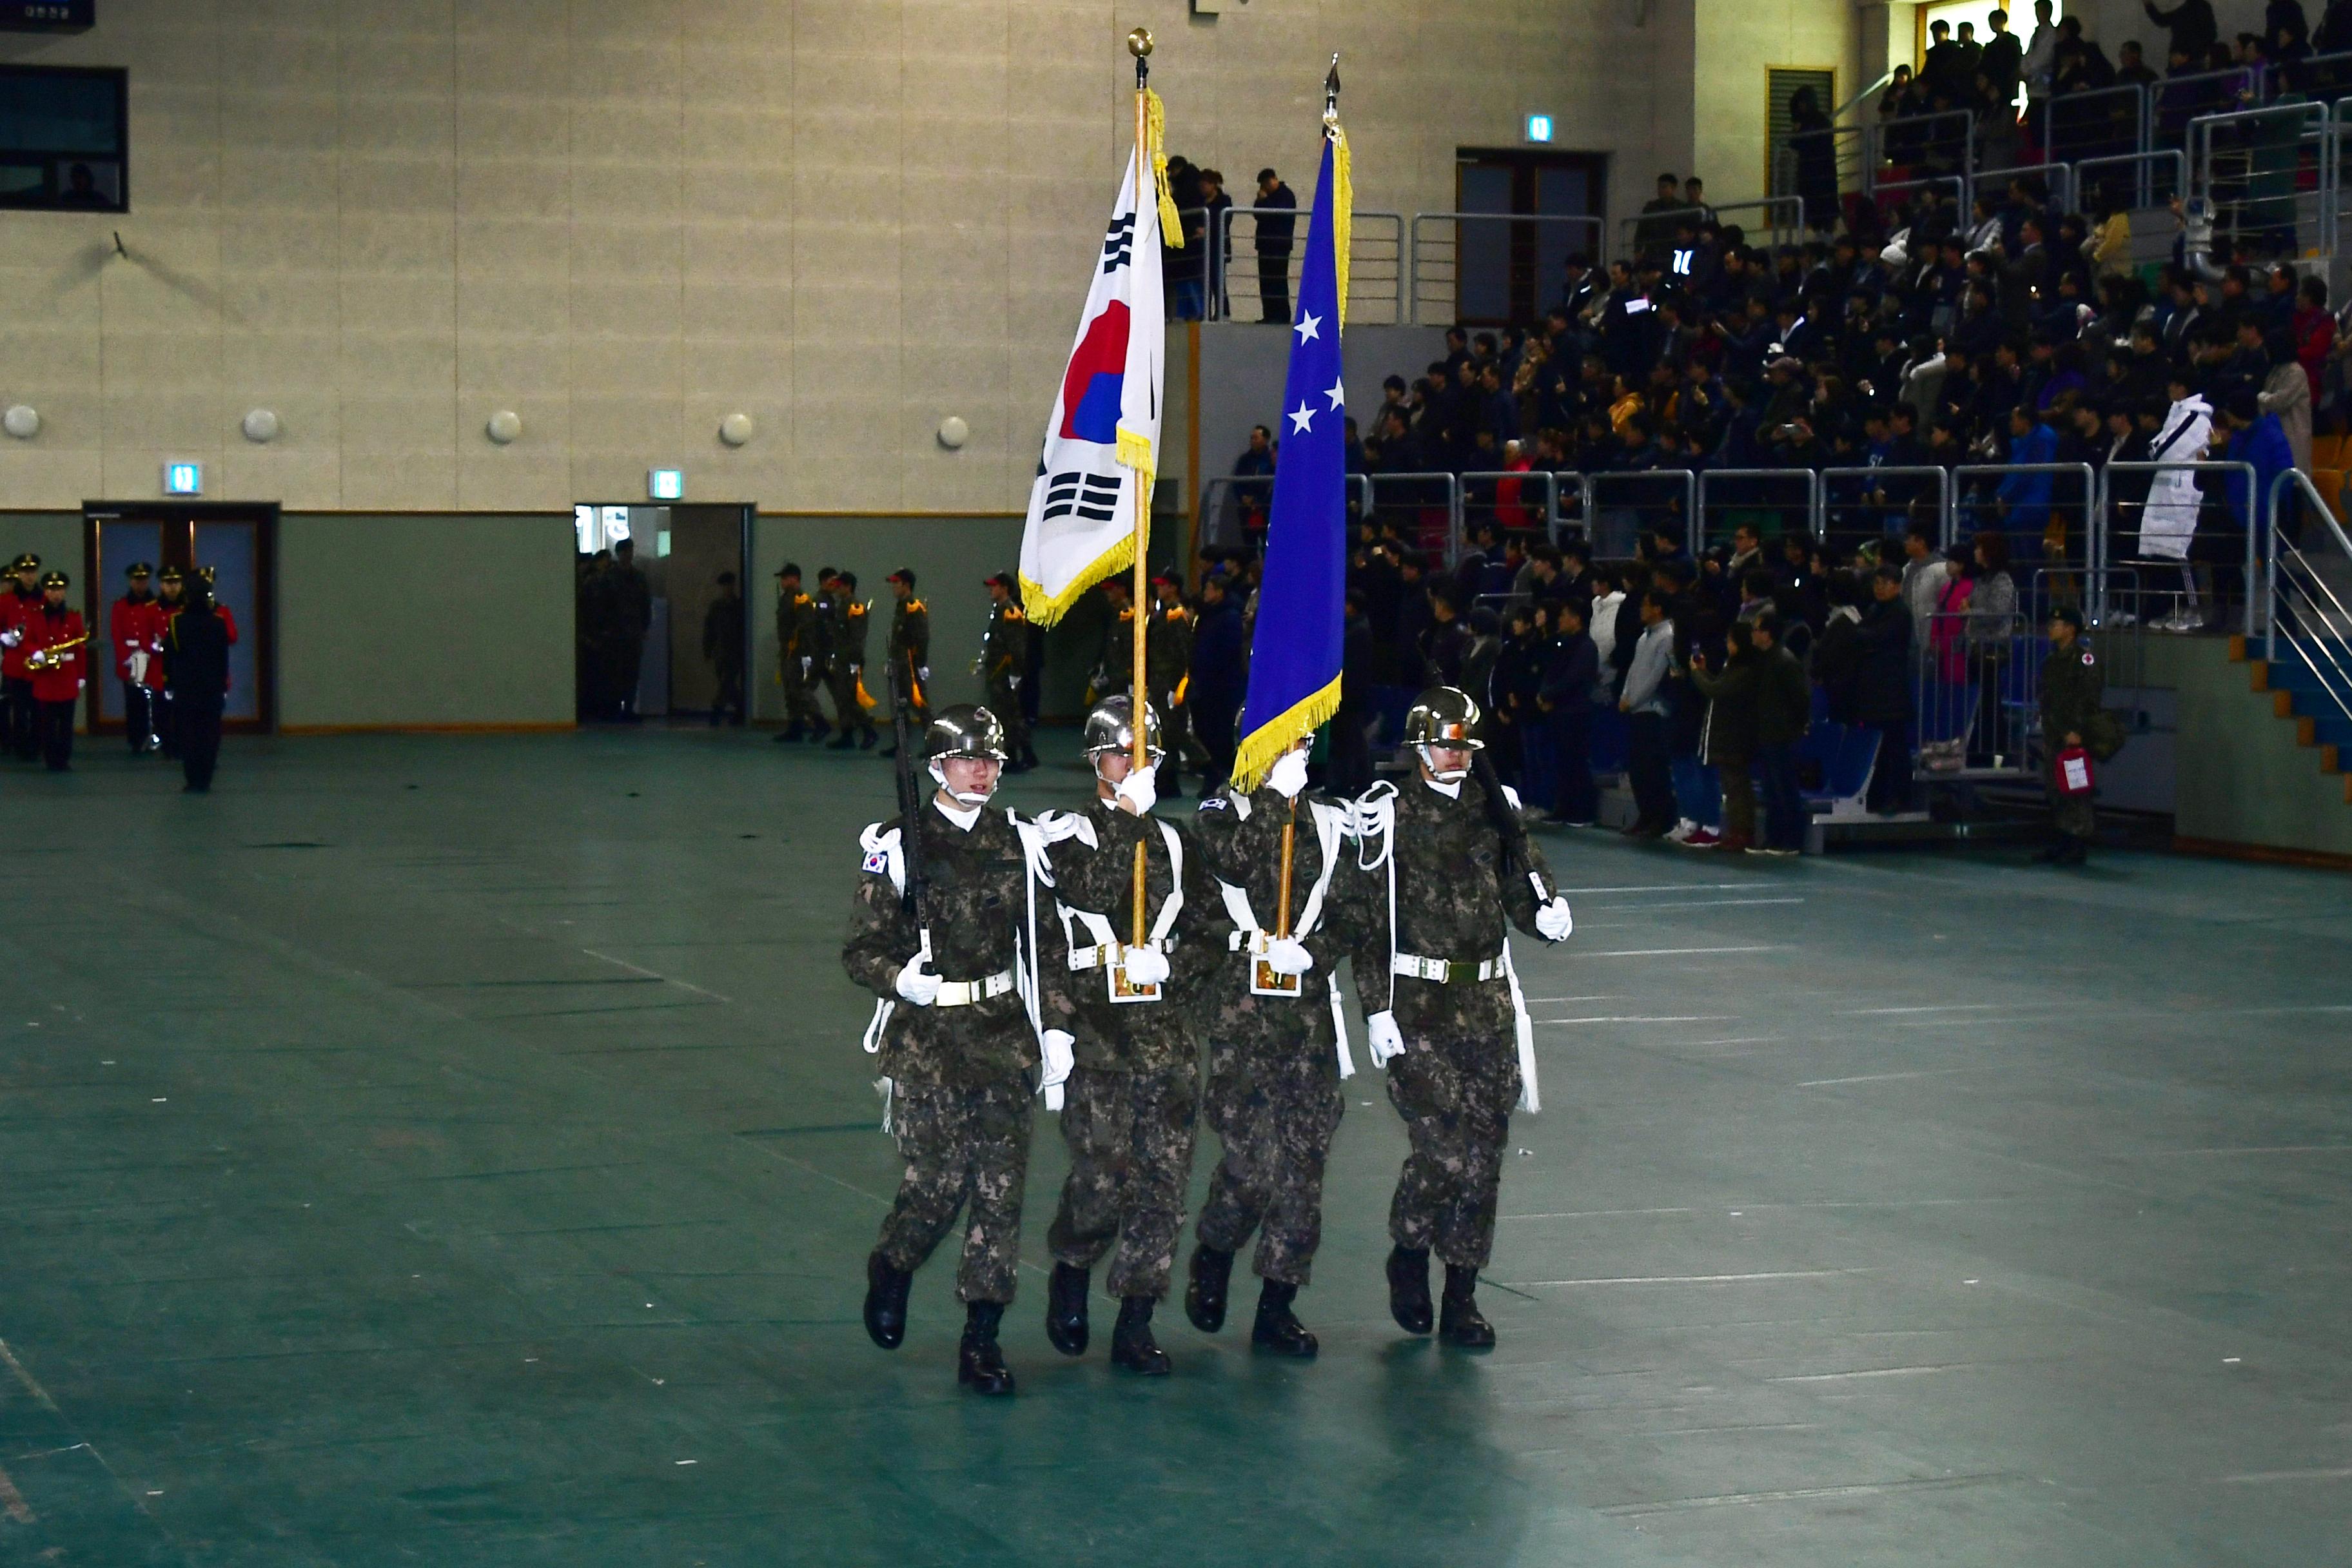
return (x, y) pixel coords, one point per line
(632, 616)
(1168, 667)
(722, 644)
(20, 724)
(1442, 1004)
(800, 657)
(57, 659)
(956, 1042)
(134, 625)
(1003, 663)
(846, 643)
(1275, 1050)
(910, 641)
(1117, 1022)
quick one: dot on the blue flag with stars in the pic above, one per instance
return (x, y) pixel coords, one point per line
(1294, 678)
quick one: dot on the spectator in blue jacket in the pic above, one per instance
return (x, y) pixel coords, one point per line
(2259, 439)
(1220, 677)
(1571, 668)
(2023, 501)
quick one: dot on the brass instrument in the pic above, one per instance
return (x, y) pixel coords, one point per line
(48, 657)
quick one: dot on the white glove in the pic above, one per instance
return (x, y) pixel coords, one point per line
(1057, 1044)
(1288, 955)
(1053, 1097)
(918, 984)
(805, 662)
(12, 636)
(924, 675)
(1288, 774)
(1553, 922)
(1146, 965)
(1381, 1031)
(1138, 791)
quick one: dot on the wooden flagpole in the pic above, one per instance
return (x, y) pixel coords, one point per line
(1138, 44)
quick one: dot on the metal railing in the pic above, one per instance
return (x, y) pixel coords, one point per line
(2249, 165)
(1460, 269)
(1516, 500)
(1990, 512)
(2145, 185)
(1267, 283)
(1620, 508)
(2058, 177)
(1835, 522)
(1758, 492)
(2177, 100)
(2198, 546)
(2310, 591)
(2103, 122)
(1425, 507)
(1975, 689)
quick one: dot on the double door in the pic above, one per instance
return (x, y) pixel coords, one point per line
(237, 542)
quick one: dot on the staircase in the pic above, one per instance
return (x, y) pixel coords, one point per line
(2300, 695)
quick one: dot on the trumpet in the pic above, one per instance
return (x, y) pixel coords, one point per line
(49, 657)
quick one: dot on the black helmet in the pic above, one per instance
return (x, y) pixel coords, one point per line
(966, 730)
(1110, 727)
(1442, 716)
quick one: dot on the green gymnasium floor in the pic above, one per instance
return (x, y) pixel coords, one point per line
(458, 1151)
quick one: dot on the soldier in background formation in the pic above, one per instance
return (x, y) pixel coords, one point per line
(910, 645)
(1417, 891)
(1003, 665)
(612, 610)
(170, 595)
(853, 707)
(21, 731)
(135, 629)
(800, 657)
(722, 644)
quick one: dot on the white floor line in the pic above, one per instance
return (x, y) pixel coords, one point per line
(1885, 1076)
(1699, 904)
(1666, 887)
(1694, 1279)
(1599, 1213)
(1671, 952)
(656, 975)
(1947, 1007)
(1646, 1018)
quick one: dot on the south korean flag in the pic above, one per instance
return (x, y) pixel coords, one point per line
(1095, 470)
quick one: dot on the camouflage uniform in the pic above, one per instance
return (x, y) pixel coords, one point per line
(801, 658)
(2074, 688)
(1135, 1090)
(1273, 1061)
(910, 652)
(1167, 661)
(961, 1077)
(1005, 664)
(1458, 1077)
(846, 651)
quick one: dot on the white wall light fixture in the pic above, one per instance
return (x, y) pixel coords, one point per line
(23, 421)
(954, 432)
(737, 428)
(261, 426)
(504, 427)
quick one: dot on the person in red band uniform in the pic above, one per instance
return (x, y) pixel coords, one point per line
(170, 588)
(19, 732)
(56, 652)
(134, 628)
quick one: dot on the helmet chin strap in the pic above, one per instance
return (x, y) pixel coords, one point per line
(960, 796)
(1443, 775)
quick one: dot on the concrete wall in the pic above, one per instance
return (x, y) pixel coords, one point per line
(386, 219)
(55, 536)
(388, 621)
(2241, 778)
(1733, 43)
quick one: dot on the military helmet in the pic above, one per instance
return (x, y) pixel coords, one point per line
(965, 730)
(1110, 727)
(1442, 716)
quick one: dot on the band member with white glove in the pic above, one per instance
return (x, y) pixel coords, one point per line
(1134, 1088)
(955, 1034)
(1443, 1002)
(1278, 1045)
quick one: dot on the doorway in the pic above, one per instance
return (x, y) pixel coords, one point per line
(1509, 274)
(237, 542)
(694, 658)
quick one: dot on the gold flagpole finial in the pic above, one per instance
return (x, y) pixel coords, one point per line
(1139, 42)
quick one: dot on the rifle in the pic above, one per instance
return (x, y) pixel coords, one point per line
(915, 902)
(1507, 823)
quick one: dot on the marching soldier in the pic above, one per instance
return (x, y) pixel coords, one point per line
(20, 734)
(1119, 1012)
(1168, 662)
(845, 647)
(800, 657)
(910, 641)
(171, 589)
(1113, 671)
(2074, 693)
(134, 627)
(1442, 1004)
(1003, 663)
(1276, 1051)
(958, 1043)
(56, 655)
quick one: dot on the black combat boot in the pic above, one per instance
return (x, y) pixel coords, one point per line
(866, 742)
(1409, 1290)
(1065, 1309)
(1204, 1292)
(885, 1301)
(1278, 1331)
(2077, 851)
(1132, 1348)
(2052, 853)
(841, 743)
(1462, 1324)
(979, 1363)
(820, 728)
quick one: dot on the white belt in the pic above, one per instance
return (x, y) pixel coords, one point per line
(964, 993)
(1103, 954)
(1444, 971)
